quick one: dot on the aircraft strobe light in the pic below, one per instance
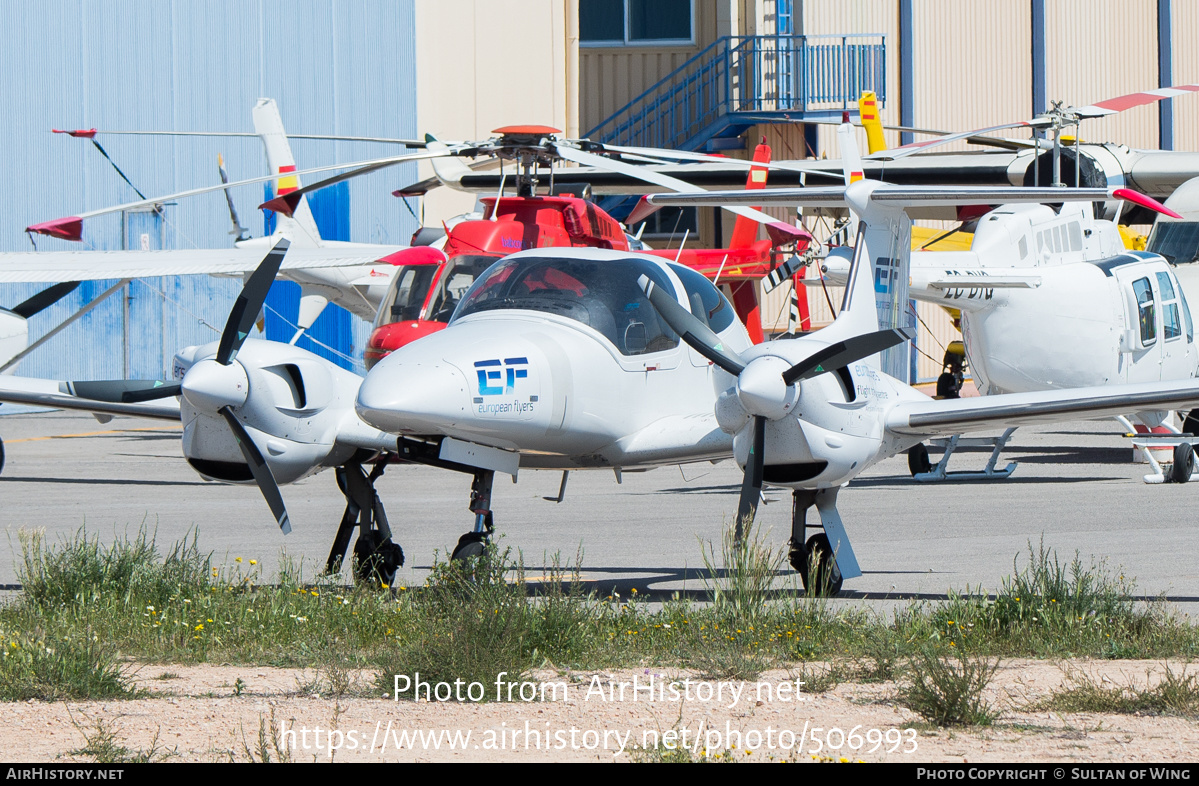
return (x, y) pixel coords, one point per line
(208, 386)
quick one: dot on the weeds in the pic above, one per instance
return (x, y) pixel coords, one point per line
(64, 669)
(1174, 694)
(948, 690)
(103, 745)
(267, 747)
(739, 585)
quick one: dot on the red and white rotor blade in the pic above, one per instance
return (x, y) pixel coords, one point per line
(1113, 105)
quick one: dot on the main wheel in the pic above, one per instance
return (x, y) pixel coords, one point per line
(797, 555)
(1184, 463)
(918, 461)
(820, 575)
(948, 386)
(376, 560)
(470, 545)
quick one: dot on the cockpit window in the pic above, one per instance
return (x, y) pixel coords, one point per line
(409, 289)
(600, 293)
(1177, 241)
(1145, 312)
(707, 302)
(460, 273)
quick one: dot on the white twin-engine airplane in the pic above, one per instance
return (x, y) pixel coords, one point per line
(572, 358)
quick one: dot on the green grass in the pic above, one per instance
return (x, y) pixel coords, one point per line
(947, 689)
(1176, 693)
(87, 607)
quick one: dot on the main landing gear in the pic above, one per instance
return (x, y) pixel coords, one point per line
(814, 559)
(376, 556)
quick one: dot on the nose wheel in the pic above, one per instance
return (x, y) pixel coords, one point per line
(474, 542)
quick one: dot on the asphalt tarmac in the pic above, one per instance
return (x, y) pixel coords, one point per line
(1075, 490)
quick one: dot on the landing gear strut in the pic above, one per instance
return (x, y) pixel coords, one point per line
(472, 543)
(1, 455)
(376, 556)
(814, 558)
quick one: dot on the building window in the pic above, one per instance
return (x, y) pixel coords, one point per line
(624, 22)
(671, 223)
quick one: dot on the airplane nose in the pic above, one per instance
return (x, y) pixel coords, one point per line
(208, 385)
(413, 397)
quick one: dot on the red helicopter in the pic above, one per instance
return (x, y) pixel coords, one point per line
(429, 281)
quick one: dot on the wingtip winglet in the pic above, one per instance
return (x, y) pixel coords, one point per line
(285, 204)
(781, 233)
(1138, 198)
(70, 228)
(641, 211)
(79, 133)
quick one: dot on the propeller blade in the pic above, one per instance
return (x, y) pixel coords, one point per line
(152, 394)
(751, 487)
(697, 335)
(125, 391)
(260, 469)
(245, 309)
(845, 352)
(44, 299)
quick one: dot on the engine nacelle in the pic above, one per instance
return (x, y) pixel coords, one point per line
(295, 409)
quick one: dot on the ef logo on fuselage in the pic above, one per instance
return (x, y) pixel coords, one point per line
(498, 377)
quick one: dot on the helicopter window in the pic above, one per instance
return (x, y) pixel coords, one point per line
(460, 273)
(1145, 315)
(707, 302)
(410, 289)
(1186, 315)
(1177, 241)
(600, 293)
(1171, 322)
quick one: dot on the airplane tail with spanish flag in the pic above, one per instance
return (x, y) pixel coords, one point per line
(300, 228)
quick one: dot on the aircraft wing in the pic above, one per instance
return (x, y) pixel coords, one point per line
(932, 417)
(54, 266)
(52, 393)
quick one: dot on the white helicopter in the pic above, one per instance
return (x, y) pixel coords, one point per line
(557, 359)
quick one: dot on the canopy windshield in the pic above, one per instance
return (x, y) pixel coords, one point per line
(602, 294)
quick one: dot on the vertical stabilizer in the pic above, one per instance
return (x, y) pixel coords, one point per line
(872, 121)
(876, 295)
(745, 230)
(301, 227)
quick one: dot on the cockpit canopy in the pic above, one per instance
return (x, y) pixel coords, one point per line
(600, 293)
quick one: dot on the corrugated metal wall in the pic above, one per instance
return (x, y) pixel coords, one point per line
(610, 77)
(1098, 49)
(334, 68)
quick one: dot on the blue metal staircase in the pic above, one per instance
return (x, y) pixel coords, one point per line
(740, 81)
